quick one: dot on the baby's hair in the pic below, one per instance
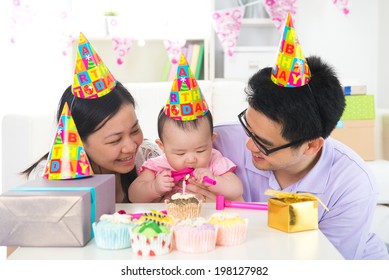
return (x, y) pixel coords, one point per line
(184, 125)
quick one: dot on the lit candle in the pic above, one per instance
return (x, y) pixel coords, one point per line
(184, 183)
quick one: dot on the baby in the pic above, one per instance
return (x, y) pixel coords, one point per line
(187, 145)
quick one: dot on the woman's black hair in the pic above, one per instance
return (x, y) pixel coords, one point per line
(90, 115)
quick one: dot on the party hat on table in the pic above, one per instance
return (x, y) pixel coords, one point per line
(67, 158)
(186, 101)
(291, 68)
(92, 79)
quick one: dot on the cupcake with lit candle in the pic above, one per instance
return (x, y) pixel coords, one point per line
(231, 228)
(183, 205)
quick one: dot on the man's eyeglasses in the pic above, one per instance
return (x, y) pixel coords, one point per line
(261, 147)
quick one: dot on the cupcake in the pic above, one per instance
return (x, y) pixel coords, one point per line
(194, 235)
(113, 231)
(151, 238)
(157, 216)
(182, 206)
(231, 228)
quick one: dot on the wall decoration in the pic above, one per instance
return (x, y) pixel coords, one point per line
(22, 15)
(342, 5)
(121, 47)
(66, 27)
(279, 9)
(174, 48)
(111, 23)
(227, 24)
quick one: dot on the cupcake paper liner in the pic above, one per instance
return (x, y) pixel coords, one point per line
(231, 235)
(195, 241)
(182, 212)
(158, 245)
(112, 236)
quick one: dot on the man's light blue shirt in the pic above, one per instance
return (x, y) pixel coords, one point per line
(340, 179)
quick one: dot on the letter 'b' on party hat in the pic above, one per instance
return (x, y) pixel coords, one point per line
(67, 158)
(92, 79)
(185, 102)
(291, 68)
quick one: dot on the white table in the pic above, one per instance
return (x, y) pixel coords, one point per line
(262, 243)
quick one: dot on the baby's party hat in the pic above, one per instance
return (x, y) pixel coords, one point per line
(185, 102)
(92, 79)
(67, 158)
(291, 69)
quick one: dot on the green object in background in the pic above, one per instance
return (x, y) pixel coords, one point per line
(200, 67)
(359, 107)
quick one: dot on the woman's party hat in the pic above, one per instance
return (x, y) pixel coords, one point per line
(291, 68)
(92, 79)
(67, 158)
(185, 102)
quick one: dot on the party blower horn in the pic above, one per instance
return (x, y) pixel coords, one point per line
(222, 203)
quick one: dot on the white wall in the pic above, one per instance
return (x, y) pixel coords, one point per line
(356, 44)
(35, 73)
(349, 42)
(382, 51)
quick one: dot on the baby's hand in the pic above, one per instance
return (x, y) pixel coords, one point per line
(163, 182)
(200, 173)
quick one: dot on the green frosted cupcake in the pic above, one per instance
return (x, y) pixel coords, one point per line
(151, 238)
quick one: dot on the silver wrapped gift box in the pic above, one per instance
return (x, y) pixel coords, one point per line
(51, 213)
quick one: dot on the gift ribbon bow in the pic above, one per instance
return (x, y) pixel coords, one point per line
(294, 197)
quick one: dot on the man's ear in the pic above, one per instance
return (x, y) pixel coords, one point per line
(314, 146)
(214, 135)
(160, 144)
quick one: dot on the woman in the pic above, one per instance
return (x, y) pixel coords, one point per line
(111, 135)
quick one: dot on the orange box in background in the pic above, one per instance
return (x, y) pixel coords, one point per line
(359, 135)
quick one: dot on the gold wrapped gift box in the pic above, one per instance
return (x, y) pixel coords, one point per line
(292, 212)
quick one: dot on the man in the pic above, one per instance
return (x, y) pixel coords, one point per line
(286, 130)
(288, 149)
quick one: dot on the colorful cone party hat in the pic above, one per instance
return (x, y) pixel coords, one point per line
(67, 158)
(92, 79)
(185, 102)
(291, 68)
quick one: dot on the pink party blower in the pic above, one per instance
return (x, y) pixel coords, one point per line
(222, 203)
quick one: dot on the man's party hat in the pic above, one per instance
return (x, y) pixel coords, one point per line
(92, 79)
(67, 158)
(185, 102)
(291, 68)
